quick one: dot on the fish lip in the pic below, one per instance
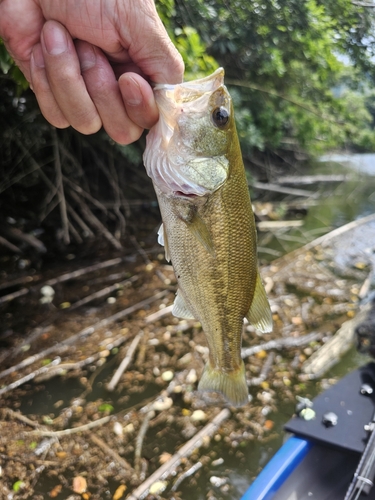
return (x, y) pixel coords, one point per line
(188, 196)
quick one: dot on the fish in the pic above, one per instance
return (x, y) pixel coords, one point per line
(194, 159)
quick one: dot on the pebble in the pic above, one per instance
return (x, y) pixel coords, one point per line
(191, 377)
(167, 376)
(198, 416)
(118, 429)
(129, 428)
(158, 487)
(47, 293)
(163, 404)
(217, 481)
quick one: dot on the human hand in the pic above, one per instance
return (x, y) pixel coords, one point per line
(89, 62)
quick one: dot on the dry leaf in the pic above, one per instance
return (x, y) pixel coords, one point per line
(79, 485)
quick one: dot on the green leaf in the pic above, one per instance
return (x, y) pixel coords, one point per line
(106, 407)
(18, 485)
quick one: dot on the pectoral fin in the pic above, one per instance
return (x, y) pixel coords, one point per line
(198, 228)
(163, 241)
(180, 309)
(259, 314)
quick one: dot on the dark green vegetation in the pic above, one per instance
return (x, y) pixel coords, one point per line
(301, 76)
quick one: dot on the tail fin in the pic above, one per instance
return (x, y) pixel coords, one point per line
(231, 385)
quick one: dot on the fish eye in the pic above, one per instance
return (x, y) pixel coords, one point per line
(220, 116)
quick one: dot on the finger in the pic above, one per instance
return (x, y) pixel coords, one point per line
(104, 90)
(139, 100)
(148, 43)
(40, 85)
(65, 79)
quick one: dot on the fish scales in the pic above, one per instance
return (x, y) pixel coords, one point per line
(210, 237)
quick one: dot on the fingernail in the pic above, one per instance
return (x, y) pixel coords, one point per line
(37, 55)
(87, 58)
(133, 93)
(55, 40)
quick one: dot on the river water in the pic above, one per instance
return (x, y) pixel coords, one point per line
(337, 204)
(328, 206)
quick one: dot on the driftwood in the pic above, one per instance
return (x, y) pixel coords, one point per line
(83, 333)
(140, 438)
(72, 430)
(85, 270)
(267, 186)
(103, 292)
(125, 362)
(185, 451)
(14, 295)
(186, 474)
(7, 244)
(311, 179)
(330, 353)
(264, 372)
(283, 343)
(110, 452)
(268, 225)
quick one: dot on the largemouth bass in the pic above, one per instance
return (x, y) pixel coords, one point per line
(194, 159)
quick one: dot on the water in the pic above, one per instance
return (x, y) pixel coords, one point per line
(337, 204)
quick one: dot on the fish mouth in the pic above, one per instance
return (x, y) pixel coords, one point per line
(196, 87)
(181, 194)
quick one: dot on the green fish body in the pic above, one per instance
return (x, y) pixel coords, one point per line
(194, 159)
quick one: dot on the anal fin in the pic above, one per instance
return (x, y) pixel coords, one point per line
(259, 314)
(180, 309)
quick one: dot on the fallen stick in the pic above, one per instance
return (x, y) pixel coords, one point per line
(22, 418)
(279, 189)
(110, 451)
(95, 222)
(185, 451)
(19, 281)
(72, 430)
(264, 372)
(103, 292)
(311, 179)
(84, 270)
(125, 362)
(329, 354)
(140, 438)
(29, 377)
(55, 368)
(267, 225)
(60, 187)
(145, 257)
(83, 333)
(281, 344)
(9, 245)
(29, 239)
(159, 314)
(186, 474)
(14, 295)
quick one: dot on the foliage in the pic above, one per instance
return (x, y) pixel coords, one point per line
(7, 66)
(300, 73)
(288, 55)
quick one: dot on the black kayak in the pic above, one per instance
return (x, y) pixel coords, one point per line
(331, 452)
